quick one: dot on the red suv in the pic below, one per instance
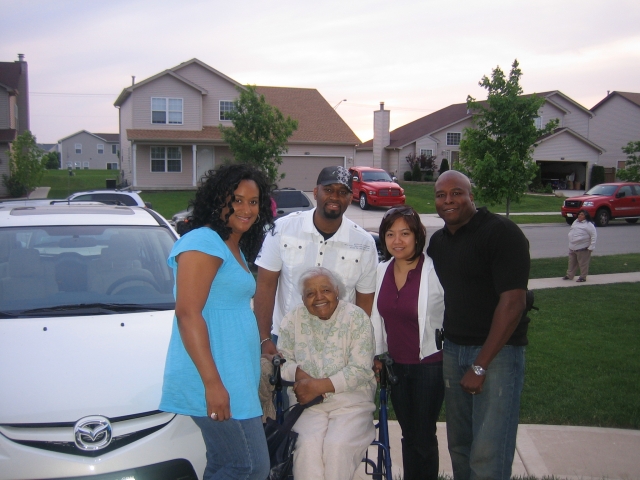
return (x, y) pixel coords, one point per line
(605, 202)
(374, 186)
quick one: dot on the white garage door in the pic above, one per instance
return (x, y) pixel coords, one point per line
(302, 172)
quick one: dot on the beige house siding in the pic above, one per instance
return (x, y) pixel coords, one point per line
(147, 178)
(616, 123)
(217, 87)
(577, 119)
(550, 112)
(5, 109)
(364, 158)
(167, 87)
(89, 158)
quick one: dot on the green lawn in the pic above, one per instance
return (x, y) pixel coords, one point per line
(62, 184)
(421, 197)
(557, 267)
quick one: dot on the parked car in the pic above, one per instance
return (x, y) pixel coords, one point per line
(605, 202)
(86, 312)
(109, 197)
(288, 200)
(374, 186)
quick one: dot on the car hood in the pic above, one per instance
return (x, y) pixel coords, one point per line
(586, 198)
(382, 184)
(64, 368)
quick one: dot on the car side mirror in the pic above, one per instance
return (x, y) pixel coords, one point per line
(355, 178)
(620, 194)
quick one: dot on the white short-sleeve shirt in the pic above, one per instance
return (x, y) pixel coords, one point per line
(296, 246)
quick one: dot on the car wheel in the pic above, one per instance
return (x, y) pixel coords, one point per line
(631, 220)
(570, 220)
(364, 204)
(602, 217)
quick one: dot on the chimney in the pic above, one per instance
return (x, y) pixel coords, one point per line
(133, 80)
(23, 96)
(381, 137)
(607, 93)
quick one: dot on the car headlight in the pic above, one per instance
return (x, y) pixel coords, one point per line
(372, 192)
(587, 204)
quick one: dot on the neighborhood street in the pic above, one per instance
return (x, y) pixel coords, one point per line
(545, 240)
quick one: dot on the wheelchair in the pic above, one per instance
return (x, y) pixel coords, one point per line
(380, 467)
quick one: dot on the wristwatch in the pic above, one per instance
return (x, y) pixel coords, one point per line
(478, 370)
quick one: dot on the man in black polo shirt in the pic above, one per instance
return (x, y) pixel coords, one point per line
(482, 261)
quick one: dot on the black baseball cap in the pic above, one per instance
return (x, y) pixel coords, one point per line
(337, 174)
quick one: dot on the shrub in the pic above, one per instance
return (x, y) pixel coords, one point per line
(416, 173)
(444, 166)
(407, 176)
(597, 175)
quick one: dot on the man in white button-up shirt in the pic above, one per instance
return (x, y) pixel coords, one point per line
(320, 237)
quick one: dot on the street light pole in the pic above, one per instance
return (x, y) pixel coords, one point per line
(338, 104)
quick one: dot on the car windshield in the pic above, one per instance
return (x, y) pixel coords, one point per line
(606, 190)
(380, 176)
(84, 268)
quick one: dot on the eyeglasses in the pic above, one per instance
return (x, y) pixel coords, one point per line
(404, 210)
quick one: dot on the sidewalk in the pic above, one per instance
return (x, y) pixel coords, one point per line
(576, 453)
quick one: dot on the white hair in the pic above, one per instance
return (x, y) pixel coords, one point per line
(319, 272)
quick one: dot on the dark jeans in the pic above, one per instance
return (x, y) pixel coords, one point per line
(417, 400)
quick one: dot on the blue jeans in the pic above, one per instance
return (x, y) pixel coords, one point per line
(236, 449)
(417, 399)
(482, 428)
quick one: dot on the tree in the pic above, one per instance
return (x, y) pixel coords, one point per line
(25, 166)
(51, 160)
(260, 132)
(631, 170)
(497, 153)
(425, 162)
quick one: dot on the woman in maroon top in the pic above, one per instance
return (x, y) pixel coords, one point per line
(407, 310)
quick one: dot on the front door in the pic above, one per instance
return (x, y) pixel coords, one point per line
(204, 162)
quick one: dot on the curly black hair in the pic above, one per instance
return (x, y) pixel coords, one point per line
(413, 222)
(216, 192)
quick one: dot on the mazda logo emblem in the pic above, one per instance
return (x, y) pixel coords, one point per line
(92, 433)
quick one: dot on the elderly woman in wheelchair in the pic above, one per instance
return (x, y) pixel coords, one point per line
(328, 345)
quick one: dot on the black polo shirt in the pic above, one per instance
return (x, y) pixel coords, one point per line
(487, 256)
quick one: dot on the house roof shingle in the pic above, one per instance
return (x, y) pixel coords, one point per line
(109, 137)
(630, 96)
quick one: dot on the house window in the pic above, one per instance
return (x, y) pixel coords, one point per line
(166, 159)
(114, 149)
(112, 166)
(100, 149)
(537, 121)
(427, 152)
(453, 138)
(85, 165)
(166, 111)
(225, 109)
(78, 148)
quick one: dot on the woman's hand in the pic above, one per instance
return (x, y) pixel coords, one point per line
(377, 368)
(218, 403)
(307, 389)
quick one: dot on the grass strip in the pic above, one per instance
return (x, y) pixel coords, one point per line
(557, 267)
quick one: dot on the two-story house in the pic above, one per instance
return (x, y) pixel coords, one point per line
(169, 129)
(616, 122)
(14, 109)
(566, 150)
(90, 151)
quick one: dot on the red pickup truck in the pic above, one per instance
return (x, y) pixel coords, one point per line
(374, 186)
(605, 202)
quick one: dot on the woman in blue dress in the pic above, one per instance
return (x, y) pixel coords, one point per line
(212, 370)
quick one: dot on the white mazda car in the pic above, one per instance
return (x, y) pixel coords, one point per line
(86, 309)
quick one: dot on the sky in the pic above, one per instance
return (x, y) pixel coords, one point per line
(416, 56)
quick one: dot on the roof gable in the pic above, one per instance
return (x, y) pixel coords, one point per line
(107, 137)
(565, 130)
(206, 67)
(127, 91)
(629, 96)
